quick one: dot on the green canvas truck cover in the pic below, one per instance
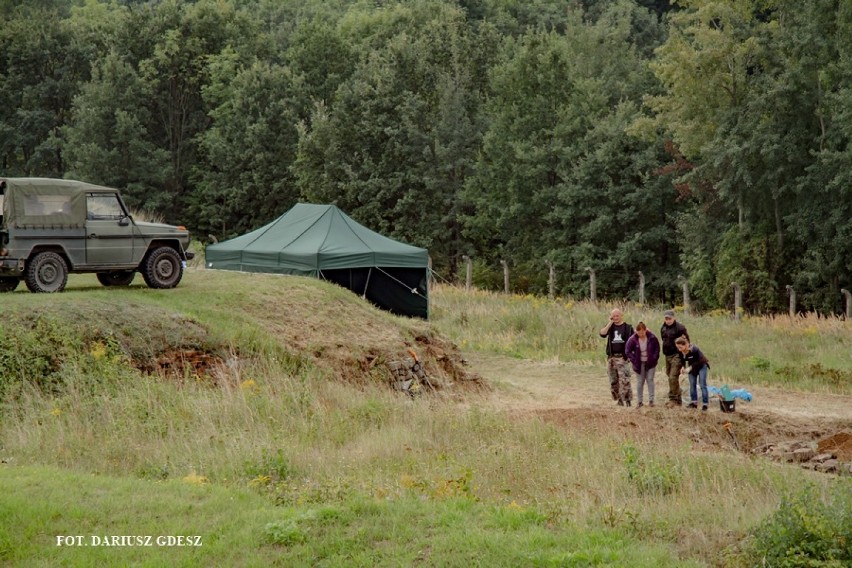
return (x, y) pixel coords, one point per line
(40, 202)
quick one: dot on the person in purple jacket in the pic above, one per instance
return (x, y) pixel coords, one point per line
(698, 365)
(643, 351)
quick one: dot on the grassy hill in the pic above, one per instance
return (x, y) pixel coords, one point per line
(255, 411)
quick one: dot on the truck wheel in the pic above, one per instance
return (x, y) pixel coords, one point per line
(8, 284)
(46, 272)
(117, 278)
(162, 268)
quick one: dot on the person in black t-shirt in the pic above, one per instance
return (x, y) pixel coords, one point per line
(617, 332)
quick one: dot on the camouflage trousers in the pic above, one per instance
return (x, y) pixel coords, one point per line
(618, 370)
(674, 364)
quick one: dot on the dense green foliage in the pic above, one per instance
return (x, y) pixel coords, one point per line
(709, 138)
(808, 529)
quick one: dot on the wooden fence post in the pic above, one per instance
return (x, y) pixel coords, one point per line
(468, 276)
(641, 288)
(792, 294)
(738, 300)
(685, 285)
(551, 280)
(593, 294)
(848, 295)
(505, 276)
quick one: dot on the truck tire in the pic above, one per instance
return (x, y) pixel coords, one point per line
(162, 268)
(8, 284)
(117, 278)
(46, 272)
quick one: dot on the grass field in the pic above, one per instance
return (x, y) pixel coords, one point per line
(281, 457)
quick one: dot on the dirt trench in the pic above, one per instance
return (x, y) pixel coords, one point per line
(813, 430)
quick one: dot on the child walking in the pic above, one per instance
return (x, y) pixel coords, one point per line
(699, 365)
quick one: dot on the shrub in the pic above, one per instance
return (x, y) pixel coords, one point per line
(807, 530)
(760, 363)
(272, 467)
(284, 533)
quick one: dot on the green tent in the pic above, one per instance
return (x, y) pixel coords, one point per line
(324, 242)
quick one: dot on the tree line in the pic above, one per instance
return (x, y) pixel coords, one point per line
(708, 139)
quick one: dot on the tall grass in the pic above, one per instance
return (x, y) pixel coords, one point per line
(304, 441)
(809, 352)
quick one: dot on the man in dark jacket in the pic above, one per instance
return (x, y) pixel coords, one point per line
(669, 332)
(617, 332)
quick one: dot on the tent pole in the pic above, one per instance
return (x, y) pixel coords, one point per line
(367, 283)
(428, 287)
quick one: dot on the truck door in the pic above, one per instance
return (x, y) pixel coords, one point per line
(109, 231)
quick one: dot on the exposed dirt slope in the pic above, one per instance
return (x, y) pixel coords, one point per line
(216, 319)
(350, 338)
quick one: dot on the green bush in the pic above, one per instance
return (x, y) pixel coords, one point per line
(808, 529)
(760, 363)
(45, 347)
(284, 533)
(273, 466)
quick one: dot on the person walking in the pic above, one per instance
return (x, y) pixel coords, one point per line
(617, 332)
(669, 332)
(698, 368)
(643, 352)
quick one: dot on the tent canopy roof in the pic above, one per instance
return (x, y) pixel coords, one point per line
(310, 238)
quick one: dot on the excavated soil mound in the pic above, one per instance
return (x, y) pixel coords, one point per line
(430, 362)
(183, 363)
(427, 362)
(704, 431)
(839, 444)
(355, 342)
(814, 444)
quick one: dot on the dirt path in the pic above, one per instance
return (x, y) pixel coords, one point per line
(576, 395)
(531, 385)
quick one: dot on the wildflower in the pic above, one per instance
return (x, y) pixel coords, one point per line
(98, 351)
(260, 481)
(195, 479)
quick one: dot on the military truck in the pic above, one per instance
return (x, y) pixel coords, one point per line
(52, 227)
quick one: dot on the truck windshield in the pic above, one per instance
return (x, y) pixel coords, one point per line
(104, 206)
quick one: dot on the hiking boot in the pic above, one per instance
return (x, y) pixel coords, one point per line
(692, 405)
(651, 404)
(703, 407)
(640, 405)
